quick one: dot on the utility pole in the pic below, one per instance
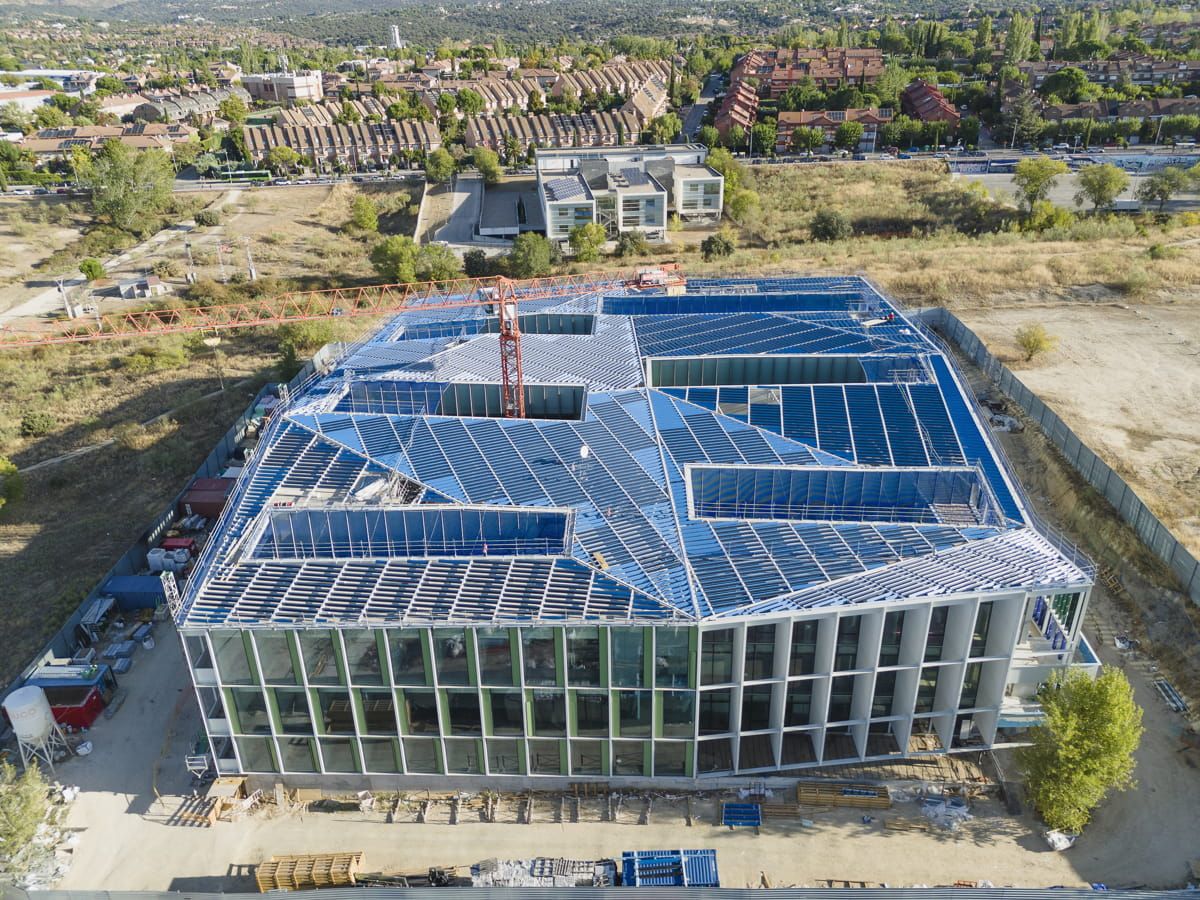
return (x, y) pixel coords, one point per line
(221, 261)
(250, 270)
(191, 271)
(62, 292)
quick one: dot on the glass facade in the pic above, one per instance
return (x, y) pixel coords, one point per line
(593, 700)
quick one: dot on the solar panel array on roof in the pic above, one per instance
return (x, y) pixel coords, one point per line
(565, 188)
(635, 177)
(368, 497)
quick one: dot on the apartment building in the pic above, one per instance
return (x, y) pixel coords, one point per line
(828, 122)
(285, 87)
(779, 69)
(355, 146)
(922, 100)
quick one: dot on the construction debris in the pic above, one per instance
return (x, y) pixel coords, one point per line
(867, 796)
(542, 871)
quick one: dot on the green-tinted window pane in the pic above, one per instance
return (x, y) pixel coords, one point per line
(379, 712)
(628, 656)
(670, 758)
(841, 697)
(629, 757)
(587, 757)
(545, 757)
(507, 712)
(885, 692)
(715, 711)
(538, 649)
(362, 656)
(504, 757)
(296, 753)
(232, 663)
(756, 707)
(678, 713)
(549, 713)
(379, 755)
(336, 711)
(927, 690)
(591, 713)
(583, 656)
(893, 631)
(339, 754)
(421, 711)
(464, 712)
(671, 657)
(714, 756)
(846, 653)
(798, 710)
(319, 660)
(450, 654)
(251, 709)
(256, 754)
(983, 621)
(292, 704)
(462, 757)
(275, 656)
(970, 689)
(422, 756)
(760, 652)
(804, 647)
(635, 710)
(937, 633)
(408, 662)
(716, 657)
(495, 656)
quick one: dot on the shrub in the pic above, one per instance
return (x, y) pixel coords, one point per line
(364, 215)
(1161, 251)
(157, 358)
(717, 245)
(1033, 340)
(531, 256)
(830, 225)
(208, 218)
(475, 263)
(1045, 216)
(91, 268)
(37, 423)
(12, 487)
(306, 336)
(632, 243)
(675, 223)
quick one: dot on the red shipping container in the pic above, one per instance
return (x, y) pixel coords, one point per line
(82, 714)
(203, 503)
(212, 484)
(179, 543)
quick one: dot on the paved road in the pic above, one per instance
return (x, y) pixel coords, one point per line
(693, 116)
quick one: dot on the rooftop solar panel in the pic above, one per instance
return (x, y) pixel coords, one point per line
(309, 537)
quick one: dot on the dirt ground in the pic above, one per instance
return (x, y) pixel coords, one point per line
(1126, 376)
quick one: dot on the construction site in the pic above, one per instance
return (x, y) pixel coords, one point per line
(735, 563)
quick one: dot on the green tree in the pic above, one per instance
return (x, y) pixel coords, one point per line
(364, 214)
(49, 116)
(587, 241)
(92, 269)
(1070, 85)
(1023, 123)
(12, 488)
(632, 243)
(763, 135)
(806, 139)
(830, 225)
(531, 256)
(1084, 747)
(708, 136)
(1018, 42)
(717, 246)
(475, 263)
(439, 165)
(735, 137)
(130, 187)
(395, 259)
(488, 164)
(1100, 185)
(446, 104)
(804, 94)
(663, 129)
(730, 169)
(281, 159)
(470, 102)
(437, 263)
(848, 135)
(1036, 176)
(233, 111)
(742, 204)
(1161, 186)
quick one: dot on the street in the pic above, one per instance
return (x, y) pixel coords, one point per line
(693, 116)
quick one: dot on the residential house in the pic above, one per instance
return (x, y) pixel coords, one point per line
(57, 143)
(922, 100)
(354, 146)
(175, 106)
(739, 107)
(601, 129)
(829, 121)
(778, 69)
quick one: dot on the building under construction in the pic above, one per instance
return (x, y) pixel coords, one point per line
(756, 527)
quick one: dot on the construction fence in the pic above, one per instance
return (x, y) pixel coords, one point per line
(1095, 471)
(62, 644)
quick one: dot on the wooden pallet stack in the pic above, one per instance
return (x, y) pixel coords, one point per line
(834, 793)
(302, 873)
